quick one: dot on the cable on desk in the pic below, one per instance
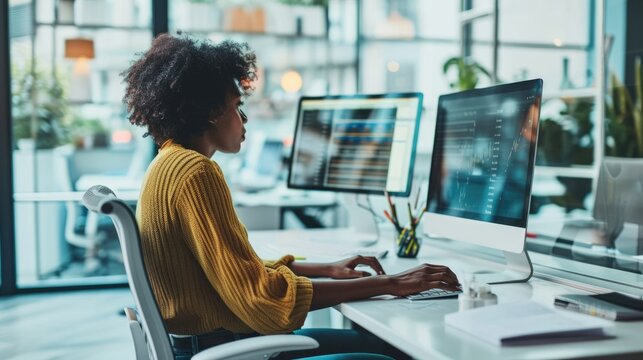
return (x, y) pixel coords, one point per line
(376, 217)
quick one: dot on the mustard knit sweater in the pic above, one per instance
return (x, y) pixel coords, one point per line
(204, 273)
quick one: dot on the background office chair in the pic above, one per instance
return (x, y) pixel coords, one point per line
(84, 232)
(151, 340)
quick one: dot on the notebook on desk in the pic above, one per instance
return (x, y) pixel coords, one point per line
(611, 306)
(525, 322)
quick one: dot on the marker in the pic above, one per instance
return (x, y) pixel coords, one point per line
(300, 258)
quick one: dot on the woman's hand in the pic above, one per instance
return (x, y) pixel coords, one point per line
(423, 277)
(426, 276)
(345, 269)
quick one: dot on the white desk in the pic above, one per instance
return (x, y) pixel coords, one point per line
(418, 327)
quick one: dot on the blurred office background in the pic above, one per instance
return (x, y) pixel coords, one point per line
(68, 128)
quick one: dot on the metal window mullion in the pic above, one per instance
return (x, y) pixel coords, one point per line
(7, 234)
(599, 102)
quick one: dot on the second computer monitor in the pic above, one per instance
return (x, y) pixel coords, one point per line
(356, 143)
(482, 165)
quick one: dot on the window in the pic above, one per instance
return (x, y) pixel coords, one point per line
(70, 132)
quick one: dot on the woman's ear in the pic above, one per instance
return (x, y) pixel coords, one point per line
(213, 120)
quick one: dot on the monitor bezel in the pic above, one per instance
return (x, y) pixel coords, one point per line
(418, 95)
(489, 234)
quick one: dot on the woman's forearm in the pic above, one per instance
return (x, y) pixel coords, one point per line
(332, 292)
(310, 269)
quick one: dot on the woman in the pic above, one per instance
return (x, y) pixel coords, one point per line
(207, 279)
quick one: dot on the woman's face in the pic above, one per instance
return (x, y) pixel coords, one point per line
(228, 130)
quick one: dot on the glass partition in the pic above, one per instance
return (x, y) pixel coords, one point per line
(70, 131)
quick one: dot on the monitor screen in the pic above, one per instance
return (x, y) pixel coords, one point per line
(356, 143)
(483, 158)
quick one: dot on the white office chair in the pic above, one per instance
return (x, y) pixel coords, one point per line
(93, 238)
(151, 340)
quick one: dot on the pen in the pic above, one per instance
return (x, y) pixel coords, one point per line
(419, 217)
(417, 196)
(388, 198)
(411, 218)
(388, 216)
(394, 213)
(396, 222)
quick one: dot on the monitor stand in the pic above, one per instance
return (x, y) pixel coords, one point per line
(518, 268)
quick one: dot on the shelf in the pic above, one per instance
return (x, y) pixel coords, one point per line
(409, 39)
(577, 171)
(255, 34)
(569, 94)
(506, 44)
(468, 16)
(95, 27)
(97, 103)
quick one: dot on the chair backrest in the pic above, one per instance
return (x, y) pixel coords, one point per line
(102, 200)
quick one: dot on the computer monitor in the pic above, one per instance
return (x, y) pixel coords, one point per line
(356, 143)
(262, 164)
(482, 168)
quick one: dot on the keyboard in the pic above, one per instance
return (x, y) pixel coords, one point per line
(433, 294)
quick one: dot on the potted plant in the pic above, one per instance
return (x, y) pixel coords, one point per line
(624, 117)
(39, 109)
(468, 72)
(87, 133)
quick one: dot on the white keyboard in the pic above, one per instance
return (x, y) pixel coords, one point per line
(433, 294)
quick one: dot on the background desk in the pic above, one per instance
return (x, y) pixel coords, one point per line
(418, 327)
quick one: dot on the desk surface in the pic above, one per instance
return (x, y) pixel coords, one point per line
(265, 198)
(418, 327)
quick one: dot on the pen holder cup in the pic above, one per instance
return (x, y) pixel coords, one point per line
(408, 243)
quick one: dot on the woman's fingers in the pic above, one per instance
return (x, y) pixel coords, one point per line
(370, 261)
(443, 277)
(443, 285)
(428, 268)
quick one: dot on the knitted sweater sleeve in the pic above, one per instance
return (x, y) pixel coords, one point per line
(269, 299)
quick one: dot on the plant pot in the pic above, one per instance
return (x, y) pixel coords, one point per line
(26, 144)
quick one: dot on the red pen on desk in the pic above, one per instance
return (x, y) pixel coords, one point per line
(388, 216)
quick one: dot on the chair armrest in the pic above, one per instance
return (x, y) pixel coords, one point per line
(260, 347)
